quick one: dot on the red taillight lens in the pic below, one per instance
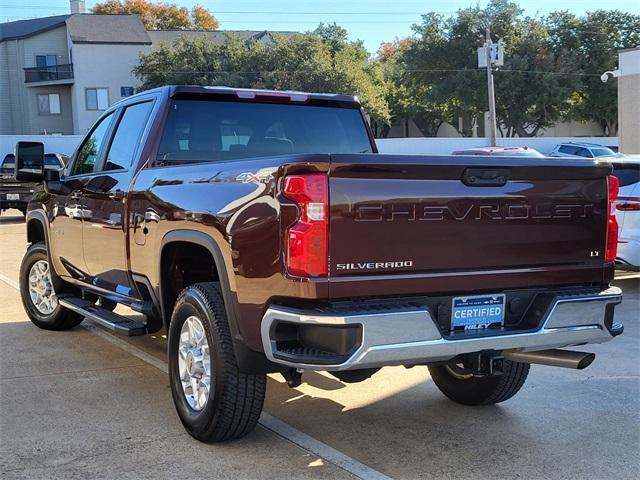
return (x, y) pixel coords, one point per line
(612, 224)
(307, 240)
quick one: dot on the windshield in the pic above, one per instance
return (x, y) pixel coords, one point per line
(201, 130)
(8, 164)
(603, 152)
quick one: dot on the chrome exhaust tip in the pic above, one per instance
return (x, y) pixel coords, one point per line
(553, 358)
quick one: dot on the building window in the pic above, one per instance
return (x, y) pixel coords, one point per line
(49, 104)
(97, 98)
(44, 61)
(126, 91)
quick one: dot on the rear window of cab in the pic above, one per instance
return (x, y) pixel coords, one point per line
(198, 130)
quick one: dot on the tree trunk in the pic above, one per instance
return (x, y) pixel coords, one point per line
(611, 127)
(522, 132)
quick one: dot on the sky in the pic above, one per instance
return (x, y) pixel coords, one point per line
(372, 21)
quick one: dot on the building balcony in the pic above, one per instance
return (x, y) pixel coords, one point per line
(51, 75)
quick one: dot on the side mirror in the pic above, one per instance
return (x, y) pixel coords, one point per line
(52, 183)
(29, 161)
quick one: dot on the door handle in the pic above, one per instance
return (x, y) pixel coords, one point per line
(75, 195)
(151, 216)
(137, 220)
(486, 176)
(140, 220)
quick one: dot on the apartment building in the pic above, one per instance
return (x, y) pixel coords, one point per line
(58, 73)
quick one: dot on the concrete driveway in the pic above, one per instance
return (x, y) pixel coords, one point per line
(86, 403)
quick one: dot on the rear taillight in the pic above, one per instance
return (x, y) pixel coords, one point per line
(307, 240)
(612, 224)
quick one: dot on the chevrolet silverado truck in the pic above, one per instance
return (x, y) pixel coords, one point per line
(264, 233)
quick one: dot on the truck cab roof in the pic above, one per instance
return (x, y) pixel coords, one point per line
(256, 94)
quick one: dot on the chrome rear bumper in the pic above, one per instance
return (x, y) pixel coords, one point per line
(409, 335)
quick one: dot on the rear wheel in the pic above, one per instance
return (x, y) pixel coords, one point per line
(214, 400)
(460, 385)
(38, 296)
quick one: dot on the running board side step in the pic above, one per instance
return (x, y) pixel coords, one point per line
(101, 316)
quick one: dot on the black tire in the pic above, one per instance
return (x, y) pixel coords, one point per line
(235, 400)
(470, 390)
(60, 318)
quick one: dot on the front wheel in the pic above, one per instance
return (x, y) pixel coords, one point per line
(214, 400)
(461, 386)
(38, 296)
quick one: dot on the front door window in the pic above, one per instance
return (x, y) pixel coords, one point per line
(90, 149)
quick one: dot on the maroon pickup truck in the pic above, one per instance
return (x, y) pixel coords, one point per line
(264, 233)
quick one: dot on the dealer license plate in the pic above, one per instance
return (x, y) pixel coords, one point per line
(477, 312)
(13, 196)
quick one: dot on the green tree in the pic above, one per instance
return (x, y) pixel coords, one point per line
(194, 61)
(442, 69)
(593, 41)
(308, 62)
(333, 35)
(535, 89)
(161, 16)
(552, 68)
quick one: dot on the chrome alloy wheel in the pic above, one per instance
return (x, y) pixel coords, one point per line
(41, 289)
(194, 363)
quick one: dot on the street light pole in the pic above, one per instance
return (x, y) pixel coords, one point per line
(492, 96)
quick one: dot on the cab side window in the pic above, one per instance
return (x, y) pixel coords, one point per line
(90, 149)
(127, 136)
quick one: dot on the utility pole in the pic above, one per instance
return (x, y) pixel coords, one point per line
(492, 96)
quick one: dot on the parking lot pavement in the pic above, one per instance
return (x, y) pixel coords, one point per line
(73, 404)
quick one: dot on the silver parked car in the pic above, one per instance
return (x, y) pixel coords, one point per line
(582, 150)
(628, 213)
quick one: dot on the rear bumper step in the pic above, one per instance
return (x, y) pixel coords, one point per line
(407, 334)
(101, 316)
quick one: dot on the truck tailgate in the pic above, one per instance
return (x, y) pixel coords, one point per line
(412, 218)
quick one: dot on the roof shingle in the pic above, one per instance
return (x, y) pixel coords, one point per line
(217, 37)
(26, 28)
(93, 28)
